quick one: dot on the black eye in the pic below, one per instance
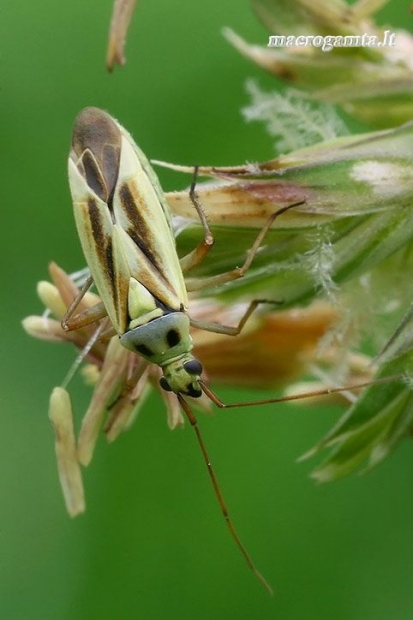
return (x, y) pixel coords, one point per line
(164, 384)
(193, 367)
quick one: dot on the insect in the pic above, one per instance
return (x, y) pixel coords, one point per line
(125, 230)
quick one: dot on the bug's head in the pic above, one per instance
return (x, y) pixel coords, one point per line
(182, 377)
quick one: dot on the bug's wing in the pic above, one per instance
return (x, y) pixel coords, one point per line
(144, 217)
(95, 228)
(121, 217)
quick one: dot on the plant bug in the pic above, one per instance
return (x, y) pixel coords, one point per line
(126, 235)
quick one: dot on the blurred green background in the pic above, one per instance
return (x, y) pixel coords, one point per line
(152, 543)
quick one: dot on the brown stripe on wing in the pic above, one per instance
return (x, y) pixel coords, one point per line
(139, 231)
(103, 245)
(149, 265)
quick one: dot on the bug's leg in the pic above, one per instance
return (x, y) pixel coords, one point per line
(131, 382)
(194, 423)
(325, 392)
(71, 309)
(117, 407)
(197, 255)
(91, 315)
(108, 333)
(229, 330)
(195, 284)
(97, 335)
(86, 317)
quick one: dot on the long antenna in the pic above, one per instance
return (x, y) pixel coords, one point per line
(194, 423)
(267, 401)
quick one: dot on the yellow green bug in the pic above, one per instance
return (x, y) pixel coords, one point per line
(125, 230)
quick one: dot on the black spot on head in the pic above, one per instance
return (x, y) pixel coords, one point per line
(144, 350)
(193, 367)
(173, 338)
(164, 384)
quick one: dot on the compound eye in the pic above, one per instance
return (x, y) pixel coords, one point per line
(165, 385)
(193, 367)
